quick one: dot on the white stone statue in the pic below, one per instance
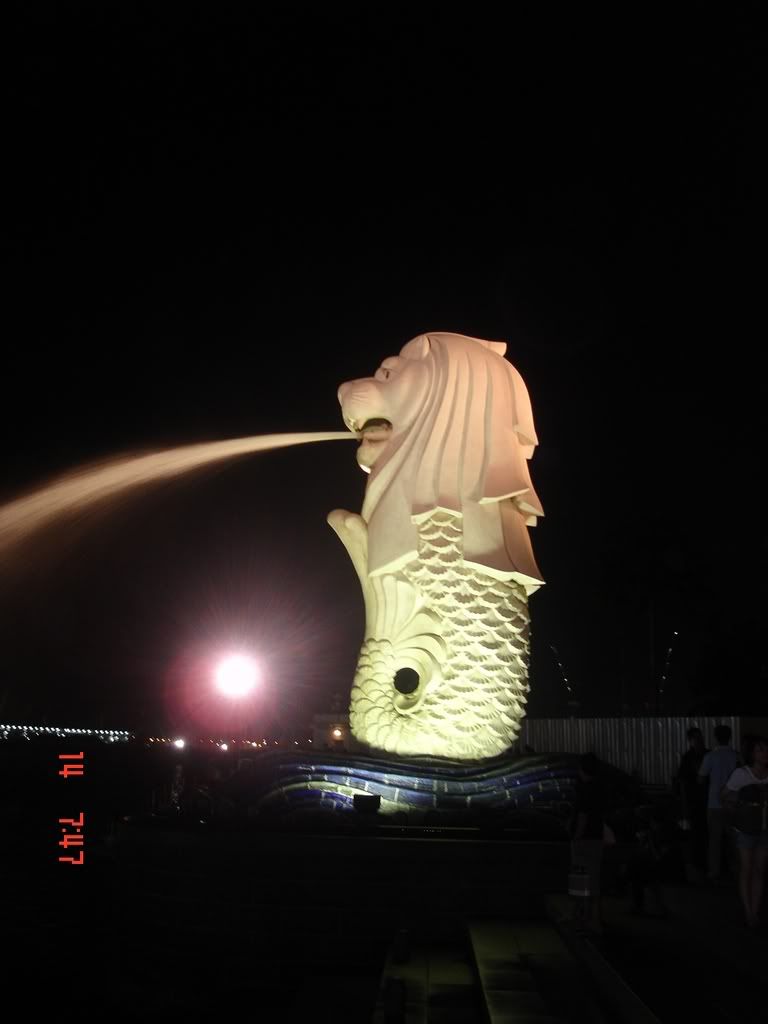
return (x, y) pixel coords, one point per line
(442, 548)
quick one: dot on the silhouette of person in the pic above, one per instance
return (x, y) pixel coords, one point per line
(178, 785)
(646, 864)
(716, 769)
(693, 802)
(587, 829)
(746, 793)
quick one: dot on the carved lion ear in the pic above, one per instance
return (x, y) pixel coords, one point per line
(499, 347)
(417, 348)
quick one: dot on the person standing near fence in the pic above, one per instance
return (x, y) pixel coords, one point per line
(693, 803)
(587, 831)
(745, 798)
(716, 769)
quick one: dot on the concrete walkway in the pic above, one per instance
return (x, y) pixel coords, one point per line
(428, 979)
(488, 971)
(700, 961)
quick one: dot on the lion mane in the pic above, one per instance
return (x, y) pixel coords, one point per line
(465, 452)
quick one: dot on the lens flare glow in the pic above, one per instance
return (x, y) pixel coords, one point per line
(237, 675)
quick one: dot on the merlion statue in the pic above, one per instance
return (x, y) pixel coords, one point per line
(442, 548)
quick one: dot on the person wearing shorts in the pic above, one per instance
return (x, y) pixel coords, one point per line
(745, 795)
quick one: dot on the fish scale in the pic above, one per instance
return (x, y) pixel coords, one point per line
(473, 704)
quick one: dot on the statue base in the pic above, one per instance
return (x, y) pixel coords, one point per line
(534, 789)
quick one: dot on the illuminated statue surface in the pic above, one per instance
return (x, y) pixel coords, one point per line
(442, 548)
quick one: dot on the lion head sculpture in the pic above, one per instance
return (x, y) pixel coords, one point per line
(447, 426)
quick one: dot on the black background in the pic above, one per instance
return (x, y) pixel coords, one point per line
(216, 215)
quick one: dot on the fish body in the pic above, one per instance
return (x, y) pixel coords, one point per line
(463, 633)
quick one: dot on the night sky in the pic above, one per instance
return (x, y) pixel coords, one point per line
(214, 217)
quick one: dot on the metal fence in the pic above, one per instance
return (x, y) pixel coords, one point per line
(651, 748)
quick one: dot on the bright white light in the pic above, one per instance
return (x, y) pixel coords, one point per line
(225, 746)
(337, 734)
(178, 743)
(237, 675)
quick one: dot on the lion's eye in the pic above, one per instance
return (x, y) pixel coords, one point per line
(382, 374)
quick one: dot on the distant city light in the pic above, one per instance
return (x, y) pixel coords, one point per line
(237, 675)
(27, 731)
(9, 730)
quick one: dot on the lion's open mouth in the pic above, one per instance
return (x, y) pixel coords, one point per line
(376, 429)
(373, 437)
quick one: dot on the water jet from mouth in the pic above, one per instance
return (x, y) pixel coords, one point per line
(78, 490)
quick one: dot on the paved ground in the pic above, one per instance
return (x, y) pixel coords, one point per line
(205, 923)
(300, 928)
(497, 969)
(701, 962)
